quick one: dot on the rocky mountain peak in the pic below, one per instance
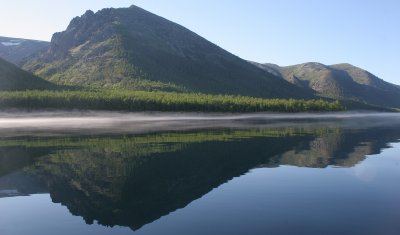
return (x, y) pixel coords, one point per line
(90, 27)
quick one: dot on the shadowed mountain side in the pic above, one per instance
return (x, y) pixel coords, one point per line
(135, 49)
(13, 78)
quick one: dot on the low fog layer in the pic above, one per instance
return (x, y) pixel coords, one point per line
(94, 123)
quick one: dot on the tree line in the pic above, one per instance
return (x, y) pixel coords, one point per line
(129, 100)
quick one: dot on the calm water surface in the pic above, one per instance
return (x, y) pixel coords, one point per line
(153, 174)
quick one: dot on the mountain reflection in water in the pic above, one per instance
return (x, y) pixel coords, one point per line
(133, 180)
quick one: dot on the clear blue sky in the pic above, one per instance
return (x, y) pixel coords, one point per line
(365, 33)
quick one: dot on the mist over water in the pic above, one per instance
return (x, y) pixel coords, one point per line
(59, 123)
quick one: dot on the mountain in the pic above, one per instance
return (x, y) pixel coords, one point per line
(14, 78)
(16, 50)
(135, 49)
(339, 81)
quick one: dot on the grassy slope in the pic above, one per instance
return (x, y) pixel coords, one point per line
(14, 78)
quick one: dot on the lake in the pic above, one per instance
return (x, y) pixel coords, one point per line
(153, 173)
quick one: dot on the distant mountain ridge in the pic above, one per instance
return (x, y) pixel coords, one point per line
(339, 81)
(17, 50)
(135, 49)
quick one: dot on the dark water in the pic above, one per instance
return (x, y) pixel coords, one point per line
(247, 175)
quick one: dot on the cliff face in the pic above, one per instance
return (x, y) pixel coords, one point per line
(87, 30)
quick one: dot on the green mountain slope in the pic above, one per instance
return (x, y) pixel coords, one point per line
(17, 50)
(133, 48)
(13, 78)
(364, 77)
(340, 81)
